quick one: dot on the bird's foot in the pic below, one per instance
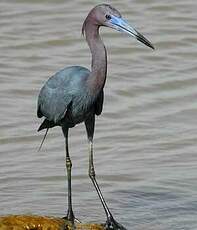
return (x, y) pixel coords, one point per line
(70, 217)
(72, 221)
(111, 224)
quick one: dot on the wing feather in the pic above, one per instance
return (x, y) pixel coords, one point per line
(58, 92)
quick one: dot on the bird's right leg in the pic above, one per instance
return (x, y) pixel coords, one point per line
(70, 215)
(111, 223)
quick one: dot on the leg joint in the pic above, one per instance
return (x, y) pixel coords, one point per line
(92, 173)
(68, 163)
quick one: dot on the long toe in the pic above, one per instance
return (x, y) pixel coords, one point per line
(111, 224)
(70, 216)
(77, 221)
(72, 220)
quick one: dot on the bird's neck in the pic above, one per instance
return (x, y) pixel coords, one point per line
(97, 78)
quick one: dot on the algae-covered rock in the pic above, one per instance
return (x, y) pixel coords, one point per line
(30, 222)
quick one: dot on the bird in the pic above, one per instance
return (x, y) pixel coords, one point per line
(75, 94)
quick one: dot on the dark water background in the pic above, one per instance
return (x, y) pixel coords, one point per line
(145, 142)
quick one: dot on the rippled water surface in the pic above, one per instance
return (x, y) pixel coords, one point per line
(146, 137)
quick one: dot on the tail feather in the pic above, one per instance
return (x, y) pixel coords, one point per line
(43, 140)
(46, 124)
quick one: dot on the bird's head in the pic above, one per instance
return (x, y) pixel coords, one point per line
(106, 15)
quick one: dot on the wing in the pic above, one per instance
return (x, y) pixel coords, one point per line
(59, 91)
(99, 103)
(52, 103)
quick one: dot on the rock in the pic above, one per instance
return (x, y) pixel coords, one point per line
(32, 222)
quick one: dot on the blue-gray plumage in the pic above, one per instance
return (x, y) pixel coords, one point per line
(66, 99)
(75, 94)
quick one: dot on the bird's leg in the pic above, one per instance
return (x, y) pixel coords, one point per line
(111, 224)
(70, 215)
(92, 176)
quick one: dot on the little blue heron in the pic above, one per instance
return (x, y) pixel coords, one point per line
(75, 94)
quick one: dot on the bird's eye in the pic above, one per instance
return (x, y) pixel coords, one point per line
(108, 17)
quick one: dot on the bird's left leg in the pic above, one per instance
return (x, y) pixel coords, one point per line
(70, 215)
(111, 224)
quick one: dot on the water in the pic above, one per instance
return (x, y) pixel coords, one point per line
(145, 141)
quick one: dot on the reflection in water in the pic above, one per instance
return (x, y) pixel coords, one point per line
(145, 142)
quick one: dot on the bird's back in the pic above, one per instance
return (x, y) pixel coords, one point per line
(66, 89)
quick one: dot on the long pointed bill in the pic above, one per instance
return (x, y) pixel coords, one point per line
(120, 24)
